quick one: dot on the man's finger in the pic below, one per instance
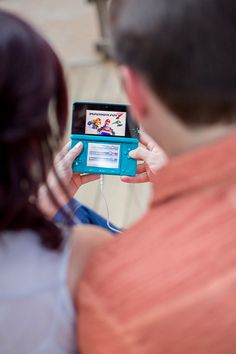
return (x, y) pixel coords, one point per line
(145, 138)
(141, 178)
(141, 168)
(139, 154)
(147, 141)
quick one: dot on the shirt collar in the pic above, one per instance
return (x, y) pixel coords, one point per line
(197, 169)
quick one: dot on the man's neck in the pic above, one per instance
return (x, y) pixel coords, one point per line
(175, 137)
(198, 137)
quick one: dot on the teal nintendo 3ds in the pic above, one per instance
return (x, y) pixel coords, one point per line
(108, 134)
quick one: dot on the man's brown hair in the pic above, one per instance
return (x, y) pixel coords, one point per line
(186, 49)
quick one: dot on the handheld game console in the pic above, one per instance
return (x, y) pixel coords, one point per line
(108, 134)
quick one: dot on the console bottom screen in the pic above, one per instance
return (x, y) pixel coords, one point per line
(103, 155)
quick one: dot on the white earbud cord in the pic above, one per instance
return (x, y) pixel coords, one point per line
(106, 204)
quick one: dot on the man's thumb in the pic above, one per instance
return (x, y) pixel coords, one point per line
(139, 154)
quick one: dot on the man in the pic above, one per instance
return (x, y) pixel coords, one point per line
(168, 284)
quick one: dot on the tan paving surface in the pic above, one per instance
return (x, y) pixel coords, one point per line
(70, 25)
(72, 28)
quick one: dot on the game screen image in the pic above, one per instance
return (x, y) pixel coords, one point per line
(106, 123)
(103, 155)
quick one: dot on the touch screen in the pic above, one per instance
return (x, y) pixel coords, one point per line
(103, 155)
(106, 123)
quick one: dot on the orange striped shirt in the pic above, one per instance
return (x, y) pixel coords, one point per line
(168, 285)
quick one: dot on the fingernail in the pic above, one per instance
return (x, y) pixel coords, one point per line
(79, 144)
(131, 153)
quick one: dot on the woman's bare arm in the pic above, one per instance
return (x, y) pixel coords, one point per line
(85, 241)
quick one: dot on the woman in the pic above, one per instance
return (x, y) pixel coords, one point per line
(40, 264)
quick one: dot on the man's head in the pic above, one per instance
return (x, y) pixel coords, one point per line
(180, 54)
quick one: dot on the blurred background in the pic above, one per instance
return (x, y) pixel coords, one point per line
(76, 29)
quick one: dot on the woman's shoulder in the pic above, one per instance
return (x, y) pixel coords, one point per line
(85, 241)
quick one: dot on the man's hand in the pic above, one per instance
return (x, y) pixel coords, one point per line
(71, 181)
(152, 157)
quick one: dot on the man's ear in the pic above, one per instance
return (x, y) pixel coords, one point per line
(135, 88)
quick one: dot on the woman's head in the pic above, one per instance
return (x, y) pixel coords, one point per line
(33, 117)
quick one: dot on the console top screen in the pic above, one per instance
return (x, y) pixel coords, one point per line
(104, 120)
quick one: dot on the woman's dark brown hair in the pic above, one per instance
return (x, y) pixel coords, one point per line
(33, 117)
